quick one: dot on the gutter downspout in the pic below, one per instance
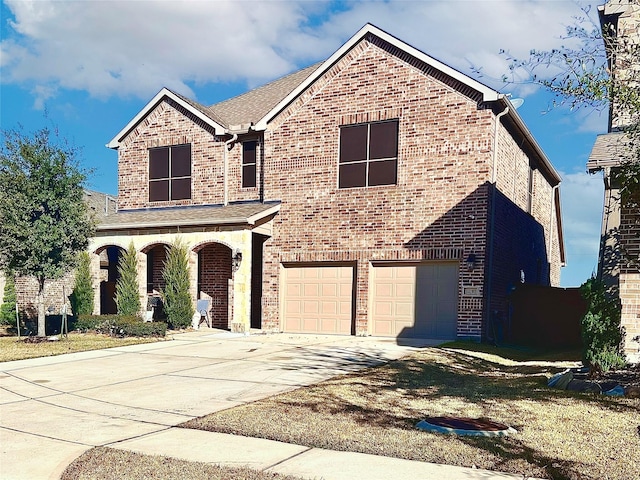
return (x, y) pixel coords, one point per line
(492, 214)
(228, 145)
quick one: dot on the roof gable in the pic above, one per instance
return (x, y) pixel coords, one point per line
(204, 114)
(487, 94)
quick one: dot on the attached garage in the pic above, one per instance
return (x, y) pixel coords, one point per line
(417, 300)
(317, 298)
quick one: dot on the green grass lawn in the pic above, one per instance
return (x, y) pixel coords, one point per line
(13, 349)
(561, 435)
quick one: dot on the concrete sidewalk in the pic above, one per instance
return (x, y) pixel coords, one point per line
(55, 408)
(289, 459)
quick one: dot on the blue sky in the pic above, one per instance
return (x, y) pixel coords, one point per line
(90, 66)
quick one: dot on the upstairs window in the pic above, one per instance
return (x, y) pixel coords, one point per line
(170, 173)
(368, 155)
(249, 157)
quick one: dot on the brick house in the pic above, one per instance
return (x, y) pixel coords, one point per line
(620, 236)
(379, 192)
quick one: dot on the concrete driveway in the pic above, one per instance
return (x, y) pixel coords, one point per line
(53, 409)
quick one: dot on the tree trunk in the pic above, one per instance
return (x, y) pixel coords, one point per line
(41, 316)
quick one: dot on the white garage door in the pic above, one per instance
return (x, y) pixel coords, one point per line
(317, 299)
(414, 300)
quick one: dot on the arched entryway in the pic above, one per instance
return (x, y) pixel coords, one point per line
(156, 258)
(215, 281)
(109, 256)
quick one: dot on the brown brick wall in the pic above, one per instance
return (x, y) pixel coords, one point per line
(169, 124)
(630, 278)
(438, 208)
(27, 295)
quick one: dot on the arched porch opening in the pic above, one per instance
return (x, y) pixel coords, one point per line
(155, 284)
(109, 256)
(215, 282)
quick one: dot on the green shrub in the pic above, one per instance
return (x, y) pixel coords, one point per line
(86, 323)
(601, 331)
(119, 325)
(135, 327)
(127, 288)
(178, 304)
(82, 296)
(9, 299)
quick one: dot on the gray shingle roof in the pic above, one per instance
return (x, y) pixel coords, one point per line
(255, 104)
(236, 214)
(100, 204)
(610, 150)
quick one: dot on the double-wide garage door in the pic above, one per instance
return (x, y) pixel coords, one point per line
(410, 300)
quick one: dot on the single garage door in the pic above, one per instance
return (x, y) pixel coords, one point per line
(317, 299)
(415, 300)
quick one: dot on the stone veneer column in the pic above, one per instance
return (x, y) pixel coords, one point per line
(241, 320)
(142, 281)
(94, 268)
(193, 274)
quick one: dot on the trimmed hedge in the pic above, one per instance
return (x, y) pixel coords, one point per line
(121, 326)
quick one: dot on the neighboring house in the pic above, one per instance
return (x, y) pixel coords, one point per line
(379, 192)
(620, 237)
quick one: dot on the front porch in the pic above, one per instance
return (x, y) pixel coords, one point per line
(220, 261)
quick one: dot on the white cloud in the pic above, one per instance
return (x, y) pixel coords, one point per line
(133, 48)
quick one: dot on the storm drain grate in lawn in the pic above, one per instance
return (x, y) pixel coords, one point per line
(465, 426)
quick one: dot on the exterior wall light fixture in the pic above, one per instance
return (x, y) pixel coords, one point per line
(236, 260)
(471, 261)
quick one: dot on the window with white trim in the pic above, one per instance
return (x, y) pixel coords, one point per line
(249, 163)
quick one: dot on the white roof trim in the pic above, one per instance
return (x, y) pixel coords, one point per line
(488, 94)
(265, 213)
(115, 142)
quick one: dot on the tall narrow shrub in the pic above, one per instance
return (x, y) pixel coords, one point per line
(82, 296)
(8, 307)
(178, 304)
(127, 287)
(601, 331)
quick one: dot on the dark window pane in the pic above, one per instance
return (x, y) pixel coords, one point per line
(181, 189)
(158, 163)
(384, 140)
(382, 172)
(159, 191)
(353, 143)
(248, 152)
(248, 176)
(352, 175)
(181, 161)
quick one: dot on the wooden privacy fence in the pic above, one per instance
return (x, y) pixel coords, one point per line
(545, 316)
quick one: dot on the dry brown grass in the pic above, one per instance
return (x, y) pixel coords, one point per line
(13, 349)
(561, 435)
(103, 463)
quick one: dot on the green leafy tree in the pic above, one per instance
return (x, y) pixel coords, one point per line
(9, 299)
(178, 304)
(82, 296)
(127, 287)
(601, 332)
(44, 221)
(598, 68)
